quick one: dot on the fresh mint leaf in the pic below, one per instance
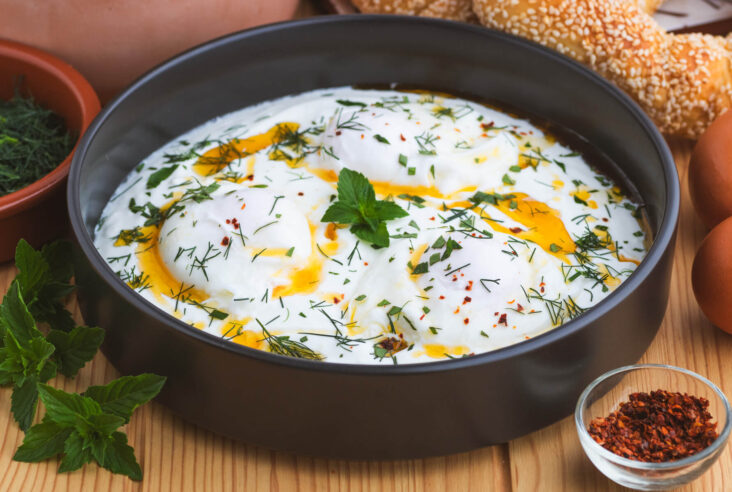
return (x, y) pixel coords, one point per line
(122, 396)
(23, 403)
(58, 257)
(341, 213)
(75, 348)
(15, 317)
(387, 210)
(354, 189)
(378, 237)
(44, 281)
(42, 441)
(67, 409)
(33, 269)
(120, 457)
(76, 453)
(357, 205)
(159, 176)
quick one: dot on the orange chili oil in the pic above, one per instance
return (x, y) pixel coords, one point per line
(656, 427)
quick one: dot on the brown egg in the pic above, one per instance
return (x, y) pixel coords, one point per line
(711, 275)
(710, 172)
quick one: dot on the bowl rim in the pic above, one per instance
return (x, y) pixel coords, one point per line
(608, 455)
(663, 239)
(88, 104)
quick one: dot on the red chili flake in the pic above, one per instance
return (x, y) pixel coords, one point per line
(338, 132)
(519, 308)
(402, 137)
(466, 320)
(604, 219)
(495, 314)
(336, 300)
(502, 320)
(516, 230)
(432, 218)
(457, 310)
(472, 234)
(300, 193)
(422, 317)
(225, 241)
(228, 221)
(442, 297)
(250, 177)
(469, 286)
(466, 300)
(656, 427)
(486, 126)
(366, 263)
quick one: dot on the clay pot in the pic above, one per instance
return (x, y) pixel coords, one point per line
(112, 42)
(38, 211)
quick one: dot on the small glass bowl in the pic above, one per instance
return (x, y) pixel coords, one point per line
(604, 396)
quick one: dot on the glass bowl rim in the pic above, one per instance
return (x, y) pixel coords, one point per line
(644, 465)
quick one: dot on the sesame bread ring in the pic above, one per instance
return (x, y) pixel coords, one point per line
(682, 81)
(460, 10)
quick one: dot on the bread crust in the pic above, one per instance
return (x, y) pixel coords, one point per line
(459, 10)
(681, 81)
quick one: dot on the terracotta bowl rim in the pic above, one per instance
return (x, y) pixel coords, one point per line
(88, 102)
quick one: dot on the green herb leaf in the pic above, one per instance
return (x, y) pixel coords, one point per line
(75, 348)
(119, 457)
(122, 396)
(159, 176)
(23, 403)
(15, 319)
(67, 409)
(381, 139)
(42, 441)
(344, 102)
(77, 453)
(357, 205)
(507, 180)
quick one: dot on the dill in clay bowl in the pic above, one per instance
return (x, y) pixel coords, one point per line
(33, 141)
(45, 105)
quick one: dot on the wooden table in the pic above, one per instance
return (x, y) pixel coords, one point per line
(177, 456)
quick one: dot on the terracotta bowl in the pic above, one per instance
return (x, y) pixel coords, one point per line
(38, 211)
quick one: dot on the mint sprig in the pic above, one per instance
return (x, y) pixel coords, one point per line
(24, 356)
(357, 205)
(84, 427)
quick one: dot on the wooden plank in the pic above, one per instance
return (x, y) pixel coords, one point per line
(552, 458)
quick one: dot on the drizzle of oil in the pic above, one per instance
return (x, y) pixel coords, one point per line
(305, 280)
(216, 159)
(247, 338)
(542, 224)
(437, 351)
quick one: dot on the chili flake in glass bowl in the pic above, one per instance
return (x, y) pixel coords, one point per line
(614, 400)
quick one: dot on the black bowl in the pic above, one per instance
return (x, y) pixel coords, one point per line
(361, 411)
